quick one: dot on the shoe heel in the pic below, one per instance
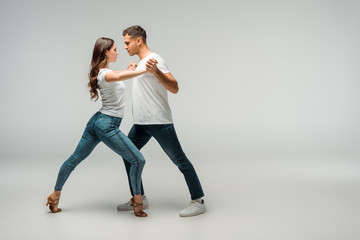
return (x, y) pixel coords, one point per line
(52, 202)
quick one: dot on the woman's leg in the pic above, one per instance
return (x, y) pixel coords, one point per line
(86, 145)
(139, 138)
(107, 129)
(121, 144)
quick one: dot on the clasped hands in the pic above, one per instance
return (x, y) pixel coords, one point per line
(150, 66)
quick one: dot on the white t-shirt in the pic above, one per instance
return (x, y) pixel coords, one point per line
(112, 95)
(150, 103)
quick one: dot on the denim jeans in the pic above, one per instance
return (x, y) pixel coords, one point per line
(166, 136)
(105, 128)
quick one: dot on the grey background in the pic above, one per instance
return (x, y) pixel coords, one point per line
(254, 75)
(268, 90)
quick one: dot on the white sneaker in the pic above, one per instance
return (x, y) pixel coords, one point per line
(194, 208)
(127, 206)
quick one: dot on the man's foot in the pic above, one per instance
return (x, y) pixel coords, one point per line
(127, 206)
(194, 208)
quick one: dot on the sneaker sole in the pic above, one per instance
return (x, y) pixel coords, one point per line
(129, 209)
(192, 215)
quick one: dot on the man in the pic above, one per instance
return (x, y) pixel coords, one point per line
(152, 116)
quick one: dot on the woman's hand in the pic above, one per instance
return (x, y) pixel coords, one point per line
(132, 66)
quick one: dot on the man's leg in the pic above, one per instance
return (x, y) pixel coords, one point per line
(168, 140)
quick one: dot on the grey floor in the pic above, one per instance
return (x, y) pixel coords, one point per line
(248, 197)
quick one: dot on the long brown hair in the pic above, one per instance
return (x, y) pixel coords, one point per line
(98, 61)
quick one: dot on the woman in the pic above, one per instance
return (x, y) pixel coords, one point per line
(104, 125)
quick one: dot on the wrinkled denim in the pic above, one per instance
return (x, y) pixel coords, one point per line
(105, 128)
(166, 136)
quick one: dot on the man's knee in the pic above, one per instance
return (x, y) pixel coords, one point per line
(180, 160)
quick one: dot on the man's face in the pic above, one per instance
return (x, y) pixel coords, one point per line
(131, 45)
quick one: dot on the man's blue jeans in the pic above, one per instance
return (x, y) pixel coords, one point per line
(166, 136)
(105, 128)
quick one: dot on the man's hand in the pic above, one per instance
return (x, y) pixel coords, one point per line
(132, 66)
(166, 79)
(151, 66)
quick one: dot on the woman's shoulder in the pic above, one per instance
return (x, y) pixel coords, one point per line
(101, 70)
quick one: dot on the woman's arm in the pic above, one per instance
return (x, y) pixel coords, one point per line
(112, 76)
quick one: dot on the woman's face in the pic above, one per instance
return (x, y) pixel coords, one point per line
(112, 54)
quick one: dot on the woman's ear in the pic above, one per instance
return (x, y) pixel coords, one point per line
(107, 52)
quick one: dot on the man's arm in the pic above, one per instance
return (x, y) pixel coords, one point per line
(166, 79)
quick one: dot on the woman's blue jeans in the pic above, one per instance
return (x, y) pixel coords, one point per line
(166, 136)
(105, 128)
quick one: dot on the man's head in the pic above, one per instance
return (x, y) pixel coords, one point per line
(134, 39)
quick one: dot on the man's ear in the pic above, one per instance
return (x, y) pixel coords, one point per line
(138, 41)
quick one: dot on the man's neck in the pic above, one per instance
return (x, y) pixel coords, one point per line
(144, 52)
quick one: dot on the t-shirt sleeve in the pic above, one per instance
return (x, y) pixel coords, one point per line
(162, 65)
(101, 74)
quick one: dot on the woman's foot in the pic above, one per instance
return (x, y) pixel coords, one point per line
(128, 207)
(53, 201)
(137, 204)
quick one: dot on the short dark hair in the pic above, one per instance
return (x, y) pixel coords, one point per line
(135, 31)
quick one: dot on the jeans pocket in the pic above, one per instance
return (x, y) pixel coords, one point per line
(105, 123)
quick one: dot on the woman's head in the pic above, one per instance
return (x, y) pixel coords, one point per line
(104, 52)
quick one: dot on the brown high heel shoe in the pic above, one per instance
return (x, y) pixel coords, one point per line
(53, 202)
(138, 208)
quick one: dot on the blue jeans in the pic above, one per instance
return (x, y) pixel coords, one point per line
(166, 136)
(105, 128)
